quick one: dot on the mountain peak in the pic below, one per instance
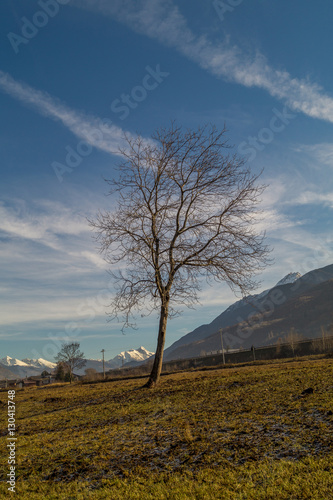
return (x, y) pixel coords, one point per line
(40, 362)
(140, 354)
(8, 361)
(289, 278)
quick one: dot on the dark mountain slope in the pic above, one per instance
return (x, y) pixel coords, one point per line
(307, 314)
(244, 311)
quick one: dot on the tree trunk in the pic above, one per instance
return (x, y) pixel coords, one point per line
(157, 366)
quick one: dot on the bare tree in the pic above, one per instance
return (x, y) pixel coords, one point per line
(71, 356)
(185, 211)
(91, 374)
(292, 339)
(323, 343)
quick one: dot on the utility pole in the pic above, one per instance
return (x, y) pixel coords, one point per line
(102, 351)
(222, 346)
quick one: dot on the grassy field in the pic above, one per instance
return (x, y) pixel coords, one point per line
(235, 433)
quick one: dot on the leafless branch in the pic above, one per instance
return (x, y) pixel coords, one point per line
(186, 209)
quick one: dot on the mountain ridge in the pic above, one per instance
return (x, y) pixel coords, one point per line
(310, 312)
(237, 316)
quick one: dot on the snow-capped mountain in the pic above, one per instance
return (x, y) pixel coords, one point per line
(26, 367)
(29, 367)
(138, 355)
(8, 361)
(40, 363)
(133, 355)
(289, 278)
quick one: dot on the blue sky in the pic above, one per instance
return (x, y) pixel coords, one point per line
(76, 74)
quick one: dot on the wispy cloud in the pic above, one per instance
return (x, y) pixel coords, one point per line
(49, 266)
(322, 152)
(162, 21)
(99, 133)
(39, 309)
(314, 198)
(50, 233)
(44, 223)
(314, 184)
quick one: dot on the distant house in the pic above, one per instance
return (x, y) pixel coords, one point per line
(9, 383)
(38, 380)
(28, 383)
(34, 380)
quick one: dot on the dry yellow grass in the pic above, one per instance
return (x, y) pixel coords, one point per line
(239, 433)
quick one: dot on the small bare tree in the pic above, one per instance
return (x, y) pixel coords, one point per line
(91, 374)
(323, 343)
(293, 338)
(185, 211)
(71, 356)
